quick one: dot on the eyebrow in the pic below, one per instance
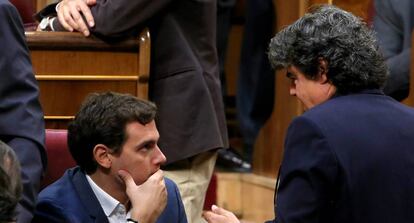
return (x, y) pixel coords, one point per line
(146, 142)
(290, 75)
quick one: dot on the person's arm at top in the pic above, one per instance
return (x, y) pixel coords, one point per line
(112, 18)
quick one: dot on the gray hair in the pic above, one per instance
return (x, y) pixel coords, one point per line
(342, 39)
(10, 183)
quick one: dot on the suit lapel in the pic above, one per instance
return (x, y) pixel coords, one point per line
(87, 197)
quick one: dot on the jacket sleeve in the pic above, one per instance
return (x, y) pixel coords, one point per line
(308, 173)
(389, 28)
(117, 18)
(21, 116)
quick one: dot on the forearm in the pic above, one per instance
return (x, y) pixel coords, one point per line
(116, 18)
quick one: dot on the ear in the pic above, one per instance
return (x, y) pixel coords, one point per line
(323, 71)
(101, 155)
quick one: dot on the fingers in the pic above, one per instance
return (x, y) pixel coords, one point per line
(127, 178)
(91, 2)
(220, 211)
(64, 15)
(212, 217)
(70, 15)
(220, 215)
(88, 15)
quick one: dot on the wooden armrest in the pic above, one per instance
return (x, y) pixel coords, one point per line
(76, 41)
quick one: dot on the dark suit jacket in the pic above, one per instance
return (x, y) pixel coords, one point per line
(350, 159)
(393, 24)
(71, 199)
(21, 117)
(184, 80)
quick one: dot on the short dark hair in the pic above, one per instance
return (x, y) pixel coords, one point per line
(10, 183)
(342, 39)
(102, 119)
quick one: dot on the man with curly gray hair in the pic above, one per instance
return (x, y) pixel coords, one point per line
(349, 157)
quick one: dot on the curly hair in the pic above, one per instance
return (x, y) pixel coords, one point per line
(341, 39)
(102, 119)
(10, 183)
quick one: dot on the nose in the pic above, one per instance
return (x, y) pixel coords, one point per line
(159, 156)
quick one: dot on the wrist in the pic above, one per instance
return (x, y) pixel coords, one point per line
(130, 220)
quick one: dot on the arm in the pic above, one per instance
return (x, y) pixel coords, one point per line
(21, 117)
(389, 28)
(112, 18)
(308, 174)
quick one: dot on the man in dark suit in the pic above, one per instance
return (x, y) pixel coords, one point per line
(184, 79)
(394, 24)
(21, 117)
(113, 139)
(350, 156)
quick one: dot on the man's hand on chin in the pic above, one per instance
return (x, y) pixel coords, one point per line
(149, 199)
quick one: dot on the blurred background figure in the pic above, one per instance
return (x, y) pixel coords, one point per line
(10, 184)
(394, 23)
(255, 81)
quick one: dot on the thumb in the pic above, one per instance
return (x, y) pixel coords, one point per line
(126, 177)
(217, 210)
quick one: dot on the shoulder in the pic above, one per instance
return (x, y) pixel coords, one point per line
(60, 201)
(62, 191)
(171, 187)
(174, 211)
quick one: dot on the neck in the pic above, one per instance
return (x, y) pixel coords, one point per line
(111, 185)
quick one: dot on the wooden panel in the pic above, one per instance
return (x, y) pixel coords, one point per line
(357, 7)
(69, 66)
(248, 196)
(268, 149)
(65, 62)
(63, 98)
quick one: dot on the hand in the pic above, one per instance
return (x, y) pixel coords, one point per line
(70, 15)
(220, 215)
(149, 199)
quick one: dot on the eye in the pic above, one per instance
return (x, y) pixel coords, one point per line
(290, 76)
(147, 147)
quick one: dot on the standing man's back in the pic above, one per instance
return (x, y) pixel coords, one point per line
(363, 158)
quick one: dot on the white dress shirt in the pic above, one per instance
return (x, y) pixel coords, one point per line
(114, 210)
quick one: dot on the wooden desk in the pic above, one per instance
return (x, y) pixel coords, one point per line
(69, 66)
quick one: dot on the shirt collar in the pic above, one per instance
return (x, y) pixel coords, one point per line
(108, 203)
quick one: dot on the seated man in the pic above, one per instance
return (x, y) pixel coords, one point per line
(113, 139)
(10, 183)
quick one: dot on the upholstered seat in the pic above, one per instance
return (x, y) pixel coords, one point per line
(27, 9)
